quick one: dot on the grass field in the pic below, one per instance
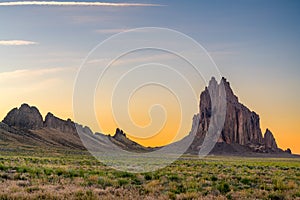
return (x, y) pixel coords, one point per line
(77, 175)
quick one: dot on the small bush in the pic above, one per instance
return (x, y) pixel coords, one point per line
(122, 182)
(173, 177)
(32, 189)
(223, 188)
(213, 178)
(148, 177)
(123, 174)
(278, 185)
(59, 172)
(179, 189)
(276, 196)
(246, 181)
(104, 182)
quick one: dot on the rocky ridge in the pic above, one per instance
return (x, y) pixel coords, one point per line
(27, 122)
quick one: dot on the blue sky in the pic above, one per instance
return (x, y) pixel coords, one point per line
(250, 28)
(255, 44)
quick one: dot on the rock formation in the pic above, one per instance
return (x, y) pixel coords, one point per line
(241, 126)
(269, 140)
(28, 123)
(25, 117)
(64, 126)
(241, 131)
(121, 140)
(30, 118)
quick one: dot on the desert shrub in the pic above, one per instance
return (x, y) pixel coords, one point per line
(123, 181)
(172, 196)
(297, 194)
(148, 177)
(104, 182)
(223, 187)
(32, 189)
(246, 181)
(136, 181)
(278, 184)
(84, 195)
(59, 172)
(229, 196)
(173, 177)
(71, 174)
(3, 168)
(276, 196)
(122, 174)
(22, 169)
(6, 176)
(48, 171)
(179, 189)
(213, 178)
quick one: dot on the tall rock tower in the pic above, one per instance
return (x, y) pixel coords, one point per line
(241, 126)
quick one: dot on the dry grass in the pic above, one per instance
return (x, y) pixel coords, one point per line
(79, 176)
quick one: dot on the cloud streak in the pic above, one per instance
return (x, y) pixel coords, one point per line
(110, 31)
(16, 42)
(30, 73)
(73, 3)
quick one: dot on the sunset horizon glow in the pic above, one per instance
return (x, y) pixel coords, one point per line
(255, 45)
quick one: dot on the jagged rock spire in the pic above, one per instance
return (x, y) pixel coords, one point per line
(269, 140)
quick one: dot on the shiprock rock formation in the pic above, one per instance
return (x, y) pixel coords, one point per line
(241, 131)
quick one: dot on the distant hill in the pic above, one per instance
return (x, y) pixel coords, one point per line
(25, 128)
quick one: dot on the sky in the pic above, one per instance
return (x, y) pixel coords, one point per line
(255, 45)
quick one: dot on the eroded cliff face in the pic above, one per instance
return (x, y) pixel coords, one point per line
(241, 126)
(62, 125)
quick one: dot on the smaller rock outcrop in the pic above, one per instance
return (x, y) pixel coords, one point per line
(26, 117)
(288, 150)
(120, 139)
(119, 135)
(269, 140)
(64, 126)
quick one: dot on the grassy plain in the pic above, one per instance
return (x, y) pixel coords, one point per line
(77, 175)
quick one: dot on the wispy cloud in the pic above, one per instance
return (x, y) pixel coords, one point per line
(16, 42)
(35, 79)
(110, 31)
(30, 73)
(73, 3)
(118, 30)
